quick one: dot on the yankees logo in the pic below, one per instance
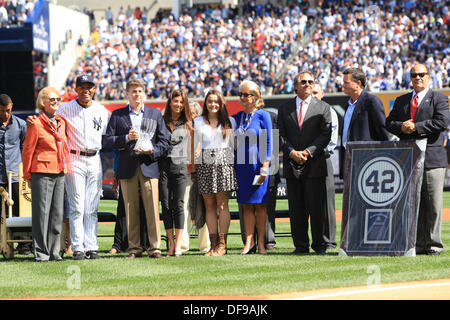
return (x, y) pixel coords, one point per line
(97, 123)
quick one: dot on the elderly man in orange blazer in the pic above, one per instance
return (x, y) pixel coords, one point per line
(44, 155)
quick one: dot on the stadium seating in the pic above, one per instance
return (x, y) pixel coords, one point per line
(217, 47)
(208, 47)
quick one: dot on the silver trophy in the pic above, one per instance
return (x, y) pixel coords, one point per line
(146, 133)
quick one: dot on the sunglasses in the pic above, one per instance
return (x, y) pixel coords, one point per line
(310, 82)
(54, 99)
(421, 75)
(246, 95)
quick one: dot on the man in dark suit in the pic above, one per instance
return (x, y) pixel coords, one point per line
(305, 130)
(365, 118)
(330, 218)
(421, 114)
(138, 168)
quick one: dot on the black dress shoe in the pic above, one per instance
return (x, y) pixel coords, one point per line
(251, 251)
(321, 251)
(78, 255)
(39, 260)
(300, 251)
(92, 255)
(433, 252)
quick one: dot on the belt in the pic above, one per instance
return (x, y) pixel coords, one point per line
(84, 153)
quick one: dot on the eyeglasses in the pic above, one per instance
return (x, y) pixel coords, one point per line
(310, 82)
(54, 99)
(246, 95)
(421, 75)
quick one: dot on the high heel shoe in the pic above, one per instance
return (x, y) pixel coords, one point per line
(250, 251)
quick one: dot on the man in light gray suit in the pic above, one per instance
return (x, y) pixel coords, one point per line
(305, 131)
(420, 114)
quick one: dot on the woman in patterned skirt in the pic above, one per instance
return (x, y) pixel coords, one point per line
(215, 167)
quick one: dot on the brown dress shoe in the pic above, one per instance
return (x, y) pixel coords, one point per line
(156, 255)
(132, 256)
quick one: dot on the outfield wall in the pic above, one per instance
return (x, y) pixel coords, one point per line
(338, 101)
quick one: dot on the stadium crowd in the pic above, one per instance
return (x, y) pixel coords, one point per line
(202, 48)
(15, 12)
(217, 47)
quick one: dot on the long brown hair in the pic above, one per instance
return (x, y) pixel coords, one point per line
(185, 116)
(223, 118)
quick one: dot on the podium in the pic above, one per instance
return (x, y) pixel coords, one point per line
(382, 182)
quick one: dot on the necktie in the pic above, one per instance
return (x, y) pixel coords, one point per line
(300, 115)
(414, 106)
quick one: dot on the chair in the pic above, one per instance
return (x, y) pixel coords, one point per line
(13, 227)
(24, 193)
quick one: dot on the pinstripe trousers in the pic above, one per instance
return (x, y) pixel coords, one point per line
(84, 187)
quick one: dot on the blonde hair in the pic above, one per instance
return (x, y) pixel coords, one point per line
(254, 89)
(43, 95)
(197, 107)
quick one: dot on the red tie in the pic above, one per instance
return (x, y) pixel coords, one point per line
(414, 106)
(300, 115)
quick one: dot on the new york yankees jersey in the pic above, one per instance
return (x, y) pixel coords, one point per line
(85, 126)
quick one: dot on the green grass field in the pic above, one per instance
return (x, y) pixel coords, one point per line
(194, 274)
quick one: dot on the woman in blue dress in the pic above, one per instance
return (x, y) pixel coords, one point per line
(253, 151)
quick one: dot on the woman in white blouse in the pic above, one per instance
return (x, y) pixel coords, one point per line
(214, 161)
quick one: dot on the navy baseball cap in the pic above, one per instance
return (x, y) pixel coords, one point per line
(84, 78)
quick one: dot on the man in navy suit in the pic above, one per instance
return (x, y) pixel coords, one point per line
(365, 118)
(305, 130)
(138, 168)
(421, 114)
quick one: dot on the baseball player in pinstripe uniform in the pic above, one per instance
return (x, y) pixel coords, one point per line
(86, 123)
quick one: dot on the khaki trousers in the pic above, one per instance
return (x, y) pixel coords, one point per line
(150, 198)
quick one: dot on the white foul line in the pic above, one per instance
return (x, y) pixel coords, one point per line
(376, 289)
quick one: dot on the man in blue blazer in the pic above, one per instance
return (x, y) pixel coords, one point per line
(421, 114)
(365, 118)
(138, 169)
